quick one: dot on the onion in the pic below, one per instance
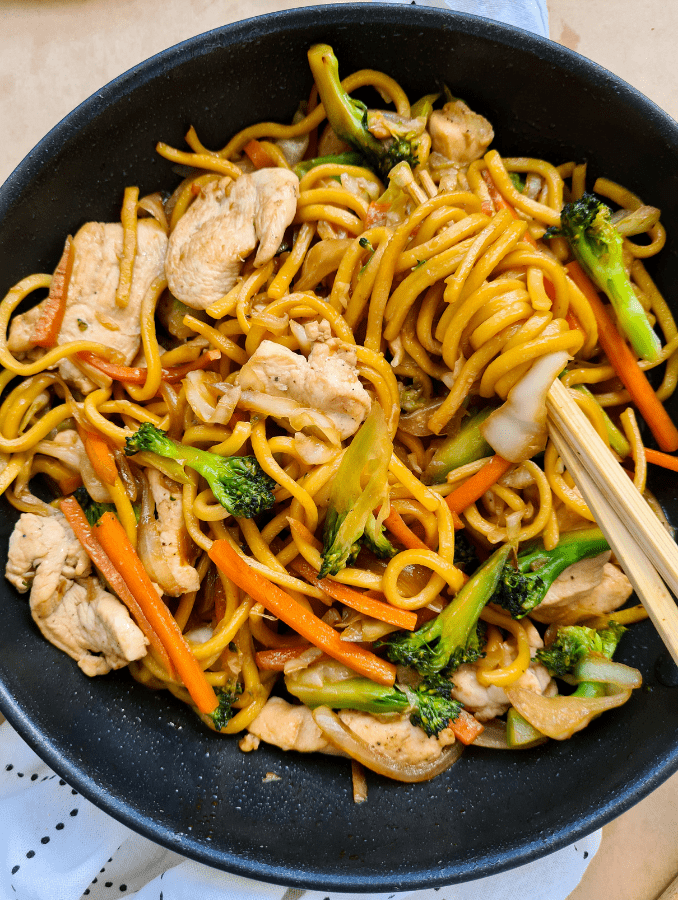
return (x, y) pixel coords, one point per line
(343, 738)
(149, 542)
(494, 736)
(283, 408)
(635, 221)
(561, 717)
(600, 669)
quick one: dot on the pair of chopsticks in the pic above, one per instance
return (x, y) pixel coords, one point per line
(644, 549)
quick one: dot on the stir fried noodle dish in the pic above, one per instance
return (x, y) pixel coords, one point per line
(291, 427)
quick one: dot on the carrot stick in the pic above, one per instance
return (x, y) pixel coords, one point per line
(275, 659)
(661, 459)
(137, 375)
(82, 530)
(357, 600)
(258, 155)
(100, 455)
(478, 484)
(117, 546)
(466, 727)
(49, 324)
(402, 532)
(621, 358)
(309, 626)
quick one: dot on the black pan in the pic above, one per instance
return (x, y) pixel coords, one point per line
(145, 758)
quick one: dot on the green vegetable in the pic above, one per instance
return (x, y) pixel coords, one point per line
(465, 555)
(237, 482)
(453, 637)
(349, 118)
(351, 158)
(94, 511)
(520, 733)
(459, 449)
(430, 703)
(574, 642)
(598, 246)
(350, 518)
(225, 711)
(424, 106)
(521, 589)
(517, 181)
(617, 440)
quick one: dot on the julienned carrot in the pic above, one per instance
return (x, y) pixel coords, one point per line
(307, 625)
(621, 358)
(81, 528)
(478, 484)
(661, 459)
(123, 555)
(258, 155)
(369, 606)
(137, 375)
(49, 324)
(275, 659)
(402, 532)
(100, 455)
(466, 727)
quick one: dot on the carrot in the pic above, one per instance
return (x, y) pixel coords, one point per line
(275, 659)
(376, 214)
(661, 459)
(69, 484)
(49, 324)
(357, 600)
(137, 375)
(307, 625)
(402, 532)
(621, 358)
(466, 727)
(478, 484)
(100, 455)
(81, 528)
(258, 155)
(124, 557)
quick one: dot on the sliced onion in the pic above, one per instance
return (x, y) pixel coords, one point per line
(343, 738)
(561, 717)
(635, 221)
(494, 736)
(149, 545)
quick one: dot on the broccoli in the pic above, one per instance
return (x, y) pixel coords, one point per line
(466, 446)
(350, 518)
(93, 510)
(430, 703)
(521, 589)
(597, 246)
(349, 118)
(465, 555)
(224, 711)
(237, 482)
(455, 636)
(573, 642)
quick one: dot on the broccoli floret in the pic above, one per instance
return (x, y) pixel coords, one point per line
(93, 510)
(465, 555)
(521, 589)
(573, 642)
(430, 703)
(453, 637)
(598, 246)
(237, 482)
(225, 711)
(349, 118)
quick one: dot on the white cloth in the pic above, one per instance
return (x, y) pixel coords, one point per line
(531, 15)
(55, 845)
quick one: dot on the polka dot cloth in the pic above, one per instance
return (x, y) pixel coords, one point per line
(55, 845)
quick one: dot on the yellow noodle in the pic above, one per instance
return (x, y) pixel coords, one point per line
(127, 260)
(637, 450)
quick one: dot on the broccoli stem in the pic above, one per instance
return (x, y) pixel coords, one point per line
(571, 548)
(460, 449)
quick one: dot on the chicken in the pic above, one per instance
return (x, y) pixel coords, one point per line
(327, 381)
(223, 226)
(91, 310)
(72, 611)
(164, 543)
(293, 728)
(488, 702)
(458, 133)
(591, 587)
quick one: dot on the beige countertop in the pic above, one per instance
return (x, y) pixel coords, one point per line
(55, 53)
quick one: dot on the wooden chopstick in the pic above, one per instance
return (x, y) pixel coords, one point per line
(646, 581)
(592, 455)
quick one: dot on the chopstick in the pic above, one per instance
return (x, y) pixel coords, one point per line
(643, 547)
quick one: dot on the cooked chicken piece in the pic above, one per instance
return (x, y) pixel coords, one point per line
(293, 728)
(591, 587)
(91, 310)
(169, 565)
(69, 449)
(223, 226)
(488, 702)
(327, 381)
(459, 133)
(79, 617)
